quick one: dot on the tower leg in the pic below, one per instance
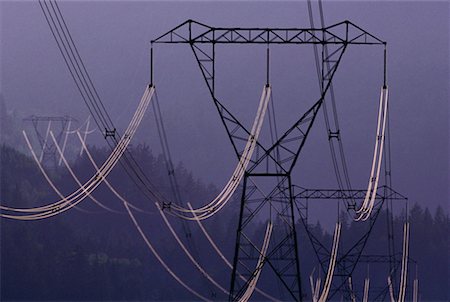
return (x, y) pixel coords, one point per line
(267, 197)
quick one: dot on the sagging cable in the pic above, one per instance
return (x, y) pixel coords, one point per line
(391, 289)
(366, 290)
(106, 182)
(86, 125)
(369, 200)
(221, 255)
(311, 283)
(75, 178)
(159, 258)
(224, 196)
(350, 286)
(173, 179)
(88, 92)
(317, 289)
(58, 206)
(150, 246)
(261, 261)
(79, 195)
(47, 178)
(188, 254)
(416, 290)
(245, 158)
(315, 286)
(65, 140)
(327, 285)
(374, 160)
(404, 272)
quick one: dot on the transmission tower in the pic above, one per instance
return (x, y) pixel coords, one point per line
(60, 125)
(353, 255)
(274, 164)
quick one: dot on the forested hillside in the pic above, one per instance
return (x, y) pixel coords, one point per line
(93, 254)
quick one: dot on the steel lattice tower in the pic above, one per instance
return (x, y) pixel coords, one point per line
(60, 125)
(273, 164)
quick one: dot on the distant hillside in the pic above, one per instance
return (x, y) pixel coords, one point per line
(96, 255)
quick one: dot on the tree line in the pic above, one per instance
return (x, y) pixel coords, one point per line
(91, 254)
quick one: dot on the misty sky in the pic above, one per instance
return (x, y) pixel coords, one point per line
(113, 39)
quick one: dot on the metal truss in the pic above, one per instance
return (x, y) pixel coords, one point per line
(272, 164)
(192, 31)
(380, 259)
(349, 258)
(48, 155)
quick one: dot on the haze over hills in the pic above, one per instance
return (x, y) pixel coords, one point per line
(99, 255)
(90, 254)
(113, 39)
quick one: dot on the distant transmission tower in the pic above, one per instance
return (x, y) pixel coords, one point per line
(60, 125)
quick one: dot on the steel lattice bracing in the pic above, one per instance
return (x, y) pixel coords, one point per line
(59, 125)
(282, 255)
(304, 193)
(270, 164)
(350, 257)
(203, 39)
(192, 31)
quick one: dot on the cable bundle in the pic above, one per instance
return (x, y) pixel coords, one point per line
(221, 255)
(315, 286)
(262, 257)
(224, 196)
(127, 206)
(331, 266)
(404, 272)
(366, 208)
(352, 293)
(366, 290)
(105, 181)
(67, 202)
(416, 290)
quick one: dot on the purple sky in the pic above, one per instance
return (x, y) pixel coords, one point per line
(113, 39)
